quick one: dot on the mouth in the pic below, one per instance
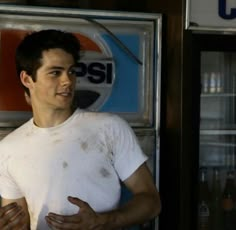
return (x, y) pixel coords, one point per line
(65, 94)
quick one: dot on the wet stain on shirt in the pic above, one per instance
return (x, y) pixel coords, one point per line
(54, 134)
(29, 132)
(64, 164)
(101, 149)
(84, 145)
(56, 141)
(104, 172)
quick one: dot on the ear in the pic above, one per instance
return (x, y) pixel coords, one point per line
(26, 79)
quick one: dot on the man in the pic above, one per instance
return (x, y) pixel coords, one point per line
(64, 167)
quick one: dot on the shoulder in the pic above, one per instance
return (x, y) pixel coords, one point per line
(17, 133)
(101, 117)
(103, 123)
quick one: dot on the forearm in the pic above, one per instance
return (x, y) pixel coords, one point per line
(141, 208)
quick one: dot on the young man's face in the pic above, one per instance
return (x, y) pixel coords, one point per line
(55, 81)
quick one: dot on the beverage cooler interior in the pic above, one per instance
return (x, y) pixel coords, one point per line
(217, 142)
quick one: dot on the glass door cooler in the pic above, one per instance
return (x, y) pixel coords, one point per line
(217, 135)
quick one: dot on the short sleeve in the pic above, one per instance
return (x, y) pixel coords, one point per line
(127, 153)
(8, 187)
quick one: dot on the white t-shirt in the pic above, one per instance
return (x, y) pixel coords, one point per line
(86, 157)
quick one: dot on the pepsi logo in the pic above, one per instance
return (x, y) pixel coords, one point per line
(95, 73)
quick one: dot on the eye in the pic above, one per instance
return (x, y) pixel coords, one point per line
(72, 72)
(55, 73)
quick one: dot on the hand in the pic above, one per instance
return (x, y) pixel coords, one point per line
(85, 219)
(12, 217)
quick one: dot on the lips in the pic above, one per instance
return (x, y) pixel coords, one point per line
(65, 94)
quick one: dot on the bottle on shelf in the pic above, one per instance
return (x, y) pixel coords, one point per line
(219, 83)
(228, 202)
(215, 204)
(203, 202)
(205, 81)
(213, 83)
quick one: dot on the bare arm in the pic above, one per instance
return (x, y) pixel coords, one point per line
(144, 205)
(14, 214)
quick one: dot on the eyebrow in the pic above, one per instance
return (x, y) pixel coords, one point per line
(58, 67)
(54, 67)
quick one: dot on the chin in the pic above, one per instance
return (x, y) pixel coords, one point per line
(66, 106)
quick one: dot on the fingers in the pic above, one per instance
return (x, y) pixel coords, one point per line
(12, 223)
(84, 219)
(14, 217)
(62, 222)
(78, 202)
(56, 221)
(63, 218)
(10, 216)
(7, 208)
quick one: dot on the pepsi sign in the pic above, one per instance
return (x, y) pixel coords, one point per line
(95, 73)
(95, 79)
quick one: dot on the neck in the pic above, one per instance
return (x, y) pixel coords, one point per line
(51, 118)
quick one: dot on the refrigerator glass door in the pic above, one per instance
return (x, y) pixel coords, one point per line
(217, 141)
(217, 109)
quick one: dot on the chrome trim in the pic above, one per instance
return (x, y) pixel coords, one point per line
(57, 11)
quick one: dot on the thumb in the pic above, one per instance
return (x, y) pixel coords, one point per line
(76, 201)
